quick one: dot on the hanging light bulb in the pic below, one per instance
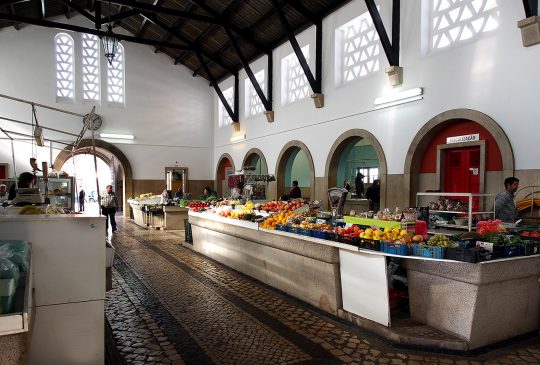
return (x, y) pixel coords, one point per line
(109, 41)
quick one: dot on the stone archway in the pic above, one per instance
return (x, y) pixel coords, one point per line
(432, 127)
(83, 147)
(283, 157)
(220, 170)
(258, 152)
(337, 149)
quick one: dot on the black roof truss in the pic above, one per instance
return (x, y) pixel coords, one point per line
(391, 50)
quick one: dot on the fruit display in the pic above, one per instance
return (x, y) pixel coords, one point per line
(527, 234)
(440, 240)
(273, 220)
(279, 206)
(196, 206)
(484, 227)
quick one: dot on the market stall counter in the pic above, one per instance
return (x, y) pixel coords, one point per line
(480, 303)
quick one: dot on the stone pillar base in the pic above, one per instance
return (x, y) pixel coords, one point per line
(530, 30)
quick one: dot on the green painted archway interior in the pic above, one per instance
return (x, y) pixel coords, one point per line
(298, 168)
(357, 154)
(255, 160)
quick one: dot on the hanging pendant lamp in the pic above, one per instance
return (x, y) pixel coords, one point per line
(109, 41)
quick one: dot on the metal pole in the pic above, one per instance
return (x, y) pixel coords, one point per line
(41, 105)
(96, 170)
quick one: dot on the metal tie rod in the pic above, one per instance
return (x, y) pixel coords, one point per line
(41, 105)
(26, 123)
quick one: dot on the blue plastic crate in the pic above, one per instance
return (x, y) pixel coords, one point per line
(395, 248)
(318, 234)
(281, 227)
(435, 252)
(507, 250)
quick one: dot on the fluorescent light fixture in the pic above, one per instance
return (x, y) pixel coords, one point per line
(399, 98)
(117, 136)
(238, 137)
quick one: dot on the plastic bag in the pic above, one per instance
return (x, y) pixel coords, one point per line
(19, 252)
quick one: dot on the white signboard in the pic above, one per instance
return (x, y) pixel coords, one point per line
(467, 138)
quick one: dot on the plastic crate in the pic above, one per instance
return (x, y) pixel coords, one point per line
(472, 255)
(374, 245)
(350, 240)
(187, 231)
(422, 250)
(507, 250)
(395, 248)
(281, 227)
(318, 234)
(300, 230)
(332, 236)
(529, 248)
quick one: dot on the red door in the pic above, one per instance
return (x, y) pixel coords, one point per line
(462, 172)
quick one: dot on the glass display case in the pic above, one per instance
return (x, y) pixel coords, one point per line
(457, 210)
(61, 191)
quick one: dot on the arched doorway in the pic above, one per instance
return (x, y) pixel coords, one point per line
(105, 150)
(426, 166)
(353, 151)
(254, 157)
(81, 167)
(225, 167)
(295, 163)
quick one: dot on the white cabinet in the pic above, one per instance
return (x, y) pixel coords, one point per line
(485, 207)
(68, 260)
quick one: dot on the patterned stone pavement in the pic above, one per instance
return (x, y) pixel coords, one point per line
(170, 305)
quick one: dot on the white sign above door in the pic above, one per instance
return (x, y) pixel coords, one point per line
(466, 138)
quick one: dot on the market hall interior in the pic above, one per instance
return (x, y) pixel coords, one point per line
(422, 97)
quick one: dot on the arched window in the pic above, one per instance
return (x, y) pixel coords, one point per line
(90, 67)
(65, 68)
(116, 78)
(453, 21)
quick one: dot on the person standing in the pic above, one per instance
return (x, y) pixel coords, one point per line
(109, 206)
(82, 199)
(373, 195)
(3, 193)
(505, 204)
(359, 184)
(295, 192)
(26, 180)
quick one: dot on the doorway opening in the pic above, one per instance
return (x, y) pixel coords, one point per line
(81, 166)
(295, 164)
(225, 168)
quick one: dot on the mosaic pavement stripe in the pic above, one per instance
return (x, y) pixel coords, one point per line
(183, 343)
(313, 349)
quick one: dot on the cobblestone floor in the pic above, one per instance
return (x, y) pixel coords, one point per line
(170, 305)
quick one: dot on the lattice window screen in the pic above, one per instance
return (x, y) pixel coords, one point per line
(361, 48)
(65, 69)
(224, 118)
(297, 83)
(453, 21)
(90, 67)
(255, 103)
(115, 78)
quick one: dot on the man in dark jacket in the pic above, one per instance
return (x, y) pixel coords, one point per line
(373, 195)
(295, 191)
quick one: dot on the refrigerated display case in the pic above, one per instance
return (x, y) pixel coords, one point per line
(61, 191)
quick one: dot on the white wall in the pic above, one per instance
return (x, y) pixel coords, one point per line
(167, 110)
(493, 74)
